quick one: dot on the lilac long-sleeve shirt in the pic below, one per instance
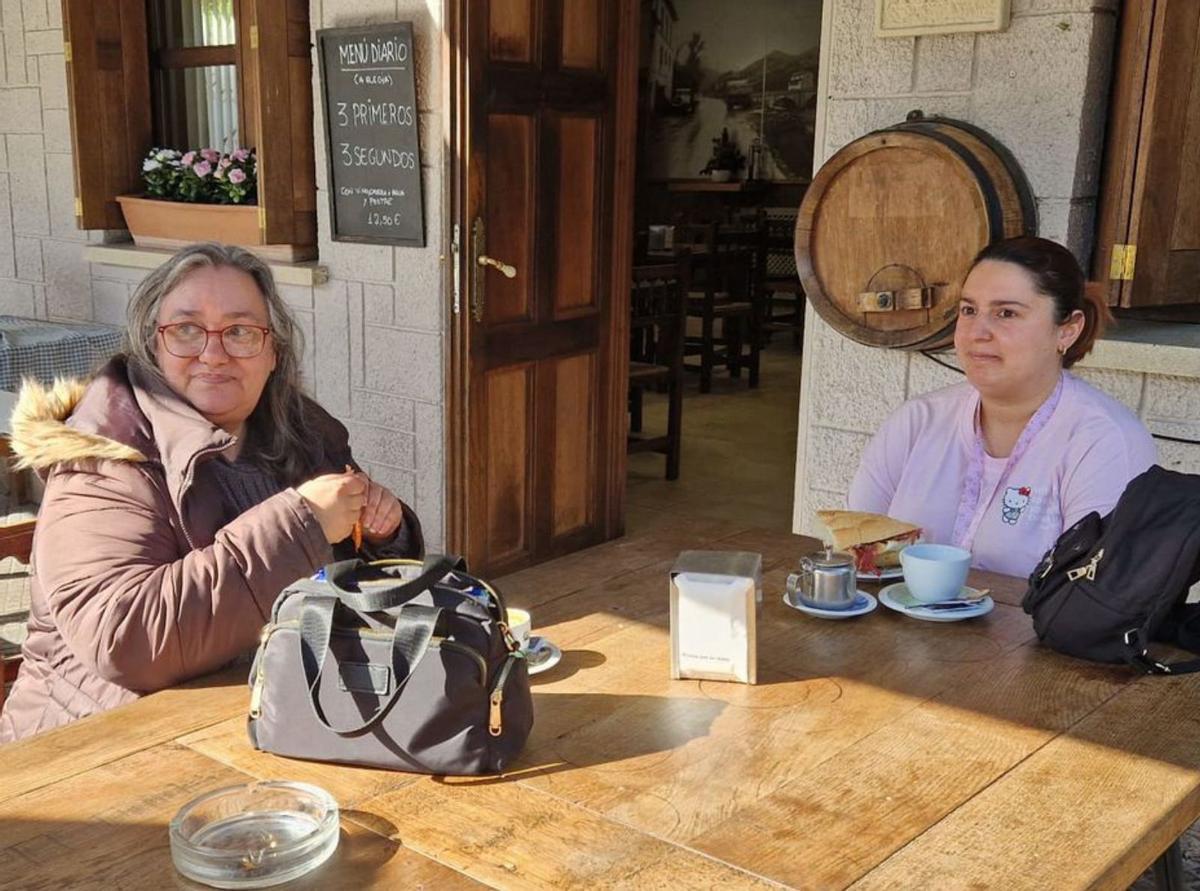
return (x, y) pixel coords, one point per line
(1081, 460)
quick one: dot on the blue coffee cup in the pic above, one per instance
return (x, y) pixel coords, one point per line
(935, 572)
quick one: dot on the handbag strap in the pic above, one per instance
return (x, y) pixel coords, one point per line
(1138, 655)
(344, 573)
(411, 635)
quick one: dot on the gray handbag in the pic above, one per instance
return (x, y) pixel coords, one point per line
(393, 664)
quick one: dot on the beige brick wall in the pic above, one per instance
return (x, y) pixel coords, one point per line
(1039, 88)
(375, 330)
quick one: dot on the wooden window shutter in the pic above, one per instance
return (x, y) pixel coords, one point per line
(108, 82)
(275, 52)
(1148, 233)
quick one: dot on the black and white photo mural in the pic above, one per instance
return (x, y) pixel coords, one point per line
(731, 85)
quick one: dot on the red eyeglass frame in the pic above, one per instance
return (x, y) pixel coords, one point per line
(220, 332)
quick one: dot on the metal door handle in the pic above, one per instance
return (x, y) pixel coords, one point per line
(505, 269)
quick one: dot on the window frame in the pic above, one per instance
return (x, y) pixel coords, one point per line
(167, 118)
(108, 83)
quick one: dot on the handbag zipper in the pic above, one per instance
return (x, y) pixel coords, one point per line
(1088, 569)
(1049, 564)
(260, 675)
(495, 717)
(465, 650)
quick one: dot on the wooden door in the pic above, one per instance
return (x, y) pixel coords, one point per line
(1148, 234)
(538, 375)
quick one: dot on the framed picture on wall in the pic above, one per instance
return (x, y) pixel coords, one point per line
(746, 69)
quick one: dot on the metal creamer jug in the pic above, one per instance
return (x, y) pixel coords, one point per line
(825, 581)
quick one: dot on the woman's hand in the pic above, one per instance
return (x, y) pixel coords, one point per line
(382, 514)
(337, 499)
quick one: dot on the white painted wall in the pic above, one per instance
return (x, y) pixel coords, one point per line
(1040, 88)
(375, 331)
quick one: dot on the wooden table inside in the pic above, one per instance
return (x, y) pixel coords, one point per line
(880, 752)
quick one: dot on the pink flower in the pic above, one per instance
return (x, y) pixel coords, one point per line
(210, 155)
(237, 176)
(202, 169)
(225, 162)
(188, 160)
(240, 155)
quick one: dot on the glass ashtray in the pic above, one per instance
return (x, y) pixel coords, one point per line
(254, 835)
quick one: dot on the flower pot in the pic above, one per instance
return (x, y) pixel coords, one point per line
(170, 225)
(720, 176)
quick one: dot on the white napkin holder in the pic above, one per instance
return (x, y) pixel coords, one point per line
(715, 599)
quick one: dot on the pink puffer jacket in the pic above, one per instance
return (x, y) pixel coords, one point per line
(138, 583)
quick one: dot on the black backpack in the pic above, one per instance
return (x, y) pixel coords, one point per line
(1110, 586)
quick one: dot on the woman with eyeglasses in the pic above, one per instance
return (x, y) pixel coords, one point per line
(187, 484)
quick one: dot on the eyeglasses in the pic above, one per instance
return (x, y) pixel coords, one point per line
(186, 340)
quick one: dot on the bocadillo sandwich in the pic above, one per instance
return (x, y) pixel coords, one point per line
(874, 540)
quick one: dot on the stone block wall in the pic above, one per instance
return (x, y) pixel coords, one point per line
(374, 354)
(380, 322)
(1040, 87)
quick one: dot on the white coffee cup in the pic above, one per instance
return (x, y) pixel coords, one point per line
(520, 625)
(935, 572)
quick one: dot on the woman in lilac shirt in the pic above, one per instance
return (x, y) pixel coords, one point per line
(1003, 463)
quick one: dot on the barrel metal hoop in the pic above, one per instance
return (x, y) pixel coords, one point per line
(991, 198)
(1007, 158)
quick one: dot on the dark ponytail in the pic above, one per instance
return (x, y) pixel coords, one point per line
(1056, 274)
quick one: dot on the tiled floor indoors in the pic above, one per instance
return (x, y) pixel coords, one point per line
(739, 447)
(739, 452)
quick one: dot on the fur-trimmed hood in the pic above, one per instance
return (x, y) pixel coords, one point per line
(125, 413)
(121, 414)
(41, 437)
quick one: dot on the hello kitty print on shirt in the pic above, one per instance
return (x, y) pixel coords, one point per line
(1015, 500)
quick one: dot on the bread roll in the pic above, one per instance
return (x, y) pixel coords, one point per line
(849, 528)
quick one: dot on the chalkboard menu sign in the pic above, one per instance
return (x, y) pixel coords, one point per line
(370, 103)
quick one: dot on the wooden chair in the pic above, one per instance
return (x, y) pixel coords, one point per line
(656, 334)
(751, 236)
(16, 540)
(723, 289)
(783, 303)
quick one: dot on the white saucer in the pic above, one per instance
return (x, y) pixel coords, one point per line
(536, 645)
(926, 614)
(862, 605)
(892, 572)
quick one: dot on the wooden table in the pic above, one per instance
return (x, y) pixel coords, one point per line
(880, 752)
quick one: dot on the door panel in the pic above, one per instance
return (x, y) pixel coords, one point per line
(576, 212)
(541, 352)
(575, 387)
(509, 428)
(581, 34)
(510, 37)
(510, 214)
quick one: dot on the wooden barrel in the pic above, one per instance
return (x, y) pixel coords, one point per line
(891, 222)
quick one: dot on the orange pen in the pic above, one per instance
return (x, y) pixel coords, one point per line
(357, 533)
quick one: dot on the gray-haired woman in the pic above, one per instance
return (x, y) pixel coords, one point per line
(186, 484)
